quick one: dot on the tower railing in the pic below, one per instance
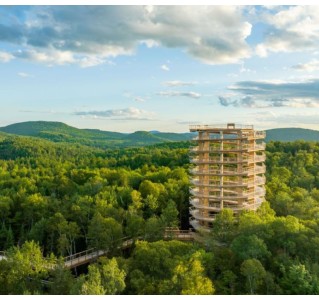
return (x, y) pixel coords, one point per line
(229, 171)
(245, 182)
(239, 196)
(260, 146)
(219, 126)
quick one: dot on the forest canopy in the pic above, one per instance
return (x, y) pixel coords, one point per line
(57, 199)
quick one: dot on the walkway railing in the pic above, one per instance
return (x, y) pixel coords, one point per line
(89, 255)
(83, 257)
(92, 254)
(79, 254)
(181, 235)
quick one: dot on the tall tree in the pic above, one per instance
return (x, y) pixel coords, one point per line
(135, 226)
(224, 226)
(189, 278)
(104, 233)
(297, 280)
(250, 246)
(254, 272)
(169, 215)
(93, 283)
(25, 268)
(61, 280)
(113, 278)
(154, 229)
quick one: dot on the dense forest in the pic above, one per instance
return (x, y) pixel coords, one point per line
(57, 199)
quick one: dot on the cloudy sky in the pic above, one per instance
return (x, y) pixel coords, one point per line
(128, 68)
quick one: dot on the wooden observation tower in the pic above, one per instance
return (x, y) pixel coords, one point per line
(229, 171)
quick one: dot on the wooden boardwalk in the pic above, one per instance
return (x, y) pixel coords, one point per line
(82, 258)
(177, 234)
(92, 254)
(87, 256)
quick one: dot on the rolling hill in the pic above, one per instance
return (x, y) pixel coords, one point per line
(43, 128)
(60, 132)
(291, 134)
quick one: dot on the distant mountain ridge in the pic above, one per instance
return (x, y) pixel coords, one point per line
(291, 134)
(36, 128)
(60, 132)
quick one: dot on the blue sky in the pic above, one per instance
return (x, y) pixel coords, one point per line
(127, 68)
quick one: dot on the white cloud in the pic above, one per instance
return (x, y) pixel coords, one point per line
(164, 67)
(5, 56)
(295, 28)
(179, 94)
(308, 67)
(139, 99)
(49, 57)
(24, 75)
(150, 43)
(261, 50)
(90, 61)
(243, 69)
(188, 122)
(134, 98)
(211, 34)
(130, 113)
(40, 111)
(55, 57)
(272, 94)
(174, 83)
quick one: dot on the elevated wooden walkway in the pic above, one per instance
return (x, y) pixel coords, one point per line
(177, 234)
(82, 258)
(89, 255)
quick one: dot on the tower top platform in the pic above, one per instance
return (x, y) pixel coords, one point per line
(229, 128)
(220, 127)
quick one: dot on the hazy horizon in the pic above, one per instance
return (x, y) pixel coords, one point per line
(155, 130)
